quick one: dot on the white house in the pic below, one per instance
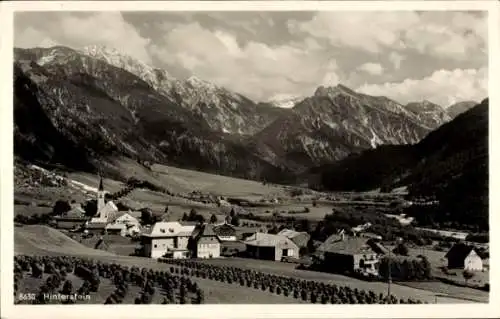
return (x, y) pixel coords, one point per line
(464, 256)
(164, 237)
(205, 243)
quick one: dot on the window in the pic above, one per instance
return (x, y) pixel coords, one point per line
(155, 246)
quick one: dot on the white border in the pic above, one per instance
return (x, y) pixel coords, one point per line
(233, 311)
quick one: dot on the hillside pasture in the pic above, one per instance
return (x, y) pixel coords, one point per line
(58, 244)
(456, 295)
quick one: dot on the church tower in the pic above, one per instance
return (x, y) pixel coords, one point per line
(100, 200)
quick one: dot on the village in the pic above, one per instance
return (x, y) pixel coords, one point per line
(353, 251)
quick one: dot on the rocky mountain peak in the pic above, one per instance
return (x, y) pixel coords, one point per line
(332, 91)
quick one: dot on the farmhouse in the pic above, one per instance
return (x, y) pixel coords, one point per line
(225, 232)
(270, 247)
(344, 254)
(464, 257)
(204, 242)
(299, 238)
(72, 219)
(164, 237)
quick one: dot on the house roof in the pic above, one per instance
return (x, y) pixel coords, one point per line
(116, 226)
(169, 229)
(268, 240)
(459, 251)
(224, 230)
(346, 246)
(94, 225)
(291, 233)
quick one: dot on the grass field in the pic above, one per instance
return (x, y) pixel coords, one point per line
(41, 240)
(426, 292)
(57, 243)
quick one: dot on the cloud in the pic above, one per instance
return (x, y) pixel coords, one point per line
(442, 34)
(372, 68)
(102, 28)
(443, 87)
(396, 59)
(255, 69)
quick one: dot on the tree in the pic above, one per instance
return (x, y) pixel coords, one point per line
(213, 219)
(147, 216)
(90, 208)
(235, 221)
(401, 249)
(467, 275)
(61, 207)
(185, 217)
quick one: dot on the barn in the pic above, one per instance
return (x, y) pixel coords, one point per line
(270, 247)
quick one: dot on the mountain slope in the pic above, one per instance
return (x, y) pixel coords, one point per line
(458, 108)
(450, 164)
(429, 114)
(104, 111)
(334, 123)
(224, 111)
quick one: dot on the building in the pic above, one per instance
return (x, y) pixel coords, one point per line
(343, 254)
(299, 238)
(225, 232)
(124, 224)
(105, 211)
(270, 247)
(73, 219)
(465, 257)
(164, 237)
(204, 242)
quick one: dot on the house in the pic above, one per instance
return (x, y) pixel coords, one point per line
(123, 229)
(204, 242)
(270, 247)
(299, 238)
(164, 237)
(343, 254)
(72, 219)
(124, 224)
(464, 257)
(225, 232)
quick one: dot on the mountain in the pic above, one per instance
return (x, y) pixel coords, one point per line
(450, 165)
(429, 114)
(223, 110)
(460, 107)
(77, 110)
(82, 107)
(333, 123)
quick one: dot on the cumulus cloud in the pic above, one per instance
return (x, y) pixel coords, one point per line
(102, 28)
(443, 87)
(371, 68)
(264, 54)
(255, 69)
(441, 34)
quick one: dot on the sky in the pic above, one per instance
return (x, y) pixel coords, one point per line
(440, 56)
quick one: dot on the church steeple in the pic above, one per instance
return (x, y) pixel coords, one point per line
(101, 187)
(100, 199)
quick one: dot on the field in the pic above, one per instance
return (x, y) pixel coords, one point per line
(53, 242)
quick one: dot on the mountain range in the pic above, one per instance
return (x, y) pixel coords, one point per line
(81, 107)
(449, 165)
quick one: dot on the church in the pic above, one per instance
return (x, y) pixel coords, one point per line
(105, 212)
